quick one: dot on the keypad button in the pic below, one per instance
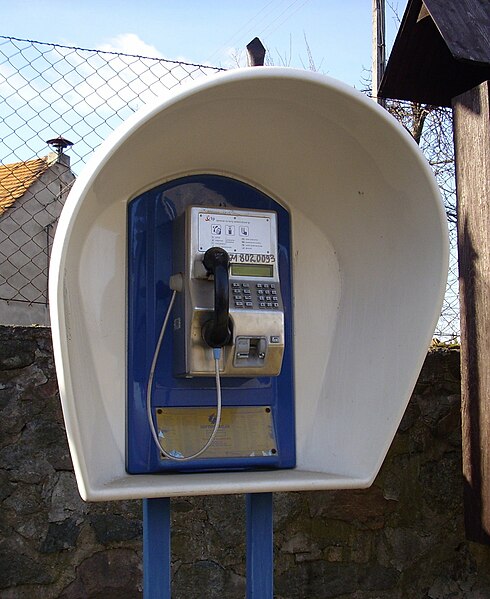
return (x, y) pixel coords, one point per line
(262, 304)
(269, 304)
(235, 284)
(238, 297)
(246, 285)
(272, 286)
(259, 285)
(275, 304)
(267, 291)
(239, 304)
(248, 304)
(273, 292)
(266, 285)
(260, 292)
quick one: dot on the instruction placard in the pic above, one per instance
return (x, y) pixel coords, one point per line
(239, 234)
(245, 431)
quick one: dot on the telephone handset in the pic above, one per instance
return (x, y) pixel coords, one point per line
(216, 331)
(231, 295)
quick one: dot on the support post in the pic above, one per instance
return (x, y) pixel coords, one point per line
(156, 548)
(260, 554)
(255, 53)
(472, 150)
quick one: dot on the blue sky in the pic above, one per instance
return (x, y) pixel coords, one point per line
(92, 96)
(210, 31)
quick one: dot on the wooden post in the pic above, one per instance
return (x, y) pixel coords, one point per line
(255, 53)
(472, 149)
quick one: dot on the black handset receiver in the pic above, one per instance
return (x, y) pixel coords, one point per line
(216, 331)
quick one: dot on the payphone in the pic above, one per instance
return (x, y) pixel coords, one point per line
(231, 293)
(210, 383)
(370, 263)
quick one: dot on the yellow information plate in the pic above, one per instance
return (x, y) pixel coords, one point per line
(245, 431)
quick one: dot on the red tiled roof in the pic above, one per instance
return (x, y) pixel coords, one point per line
(16, 178)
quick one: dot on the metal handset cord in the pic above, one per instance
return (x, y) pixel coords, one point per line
(149, 388)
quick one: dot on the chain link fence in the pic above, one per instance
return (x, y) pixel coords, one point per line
(53, 92)
(448, 327)
(437, 145)
(70, 95)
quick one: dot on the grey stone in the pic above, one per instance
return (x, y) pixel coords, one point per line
(60, 536)
(65, 500)
(198, 580)
(112, 527)
(111, 574)
(324, 580)
(18, 568)
(15, 351)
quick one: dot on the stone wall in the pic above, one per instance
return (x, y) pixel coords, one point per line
(402, 538)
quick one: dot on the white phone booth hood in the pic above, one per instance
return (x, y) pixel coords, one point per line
(370, 263)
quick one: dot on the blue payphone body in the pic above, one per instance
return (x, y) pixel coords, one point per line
(175, 376)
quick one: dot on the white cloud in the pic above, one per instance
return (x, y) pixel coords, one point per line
(130, 43)
(81, 94)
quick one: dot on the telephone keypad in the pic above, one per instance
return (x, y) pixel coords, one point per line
(263, 296)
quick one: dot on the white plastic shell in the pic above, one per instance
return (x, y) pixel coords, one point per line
(370, 262)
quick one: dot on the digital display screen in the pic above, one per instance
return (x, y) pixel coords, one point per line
(252, 270)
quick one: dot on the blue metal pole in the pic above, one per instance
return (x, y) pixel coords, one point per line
(260, 559)
(156, 548)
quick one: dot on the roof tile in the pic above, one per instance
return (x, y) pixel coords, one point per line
(16, 178)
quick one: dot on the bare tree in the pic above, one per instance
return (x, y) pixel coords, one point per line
(431, 128)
